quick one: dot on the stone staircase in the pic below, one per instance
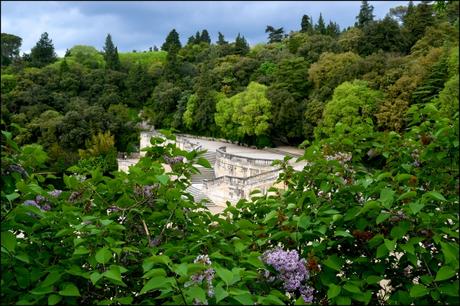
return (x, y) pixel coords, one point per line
(283, 152)
(198, 195)
(204, 174)
(211, 157)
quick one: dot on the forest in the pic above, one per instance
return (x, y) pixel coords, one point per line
(375, 106)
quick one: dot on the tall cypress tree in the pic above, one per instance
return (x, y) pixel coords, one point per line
(365, 14)
(306, 25)
(172, 42)
(320, 27)
(205, 37)
(43, 52)
(241, 45)
(221, 40)
(111, 54)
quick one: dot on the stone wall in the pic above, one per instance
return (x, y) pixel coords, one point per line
(231, 188)
(228, 164)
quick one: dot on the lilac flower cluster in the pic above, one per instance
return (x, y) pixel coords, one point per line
(292, 271)
(342, 158)
(18, 169)
(38, 199)
(173, 160)
(55, 193)
(207, 274)
(74, 196)
(416, 156)
(145, 191)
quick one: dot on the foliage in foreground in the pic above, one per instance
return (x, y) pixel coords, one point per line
(367, 208)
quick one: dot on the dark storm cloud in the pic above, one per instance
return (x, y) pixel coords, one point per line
(141, 24)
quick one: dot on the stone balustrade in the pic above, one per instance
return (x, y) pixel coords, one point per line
(228, 164)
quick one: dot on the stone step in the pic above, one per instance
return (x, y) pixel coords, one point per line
(204, 174)
(211, 157)
(198, 195)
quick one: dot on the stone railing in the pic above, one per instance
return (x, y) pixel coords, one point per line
(228, 164)
(232, 188)
(125, 155)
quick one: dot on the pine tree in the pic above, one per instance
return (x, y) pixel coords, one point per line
(43, 52)
(241, 45)
(332, 29)
(205, 37)
(365, 14)
(221, 40)
(275, 35)
(320, 27)
(10, 45)
(306, 25)
(191, 40)
(111, 54)
(172, 42)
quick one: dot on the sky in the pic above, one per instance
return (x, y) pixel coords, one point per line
(138, 25)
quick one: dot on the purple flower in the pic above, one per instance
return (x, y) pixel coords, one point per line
(207, 275)
(55, 193)
(307, 294)
(292, 269)
(31, 203)
(18, 169)
(173, 160)
(46, 207)
(40, 198)
(155, 241)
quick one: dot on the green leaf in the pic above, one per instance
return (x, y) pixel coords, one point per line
(343, 300)
(203, 162)
(69, 290)
(333, 291)
(386, 197)
(127, 300)
(342, 234)
(407, 195)
(23, 257)
(244, 299)
(373, 279)
(270, 215)
(113, 274)
(12, 196)
(382, 250)
(390, 244)
(418, 291)
(225, 275)
(334, 262)
(351, 288)
(163, 179)
(450, 289)
(220, 293)
(196, 293)
(415, 207)
(450, 252)
(9, 241)
(435, 196)
(445, 273)
(81, 250)
(400, 230)
(53, 299)
(382, 217)
(103, 255)
(159, 282)
(95, 276)
(52, 278)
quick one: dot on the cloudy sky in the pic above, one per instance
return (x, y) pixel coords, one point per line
(141, 24)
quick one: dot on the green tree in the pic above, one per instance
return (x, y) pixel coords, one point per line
(320, 27)
(275, 35)
(139, 85)
(43, 53)
(10, 45)
(365, 15)
(353, 104)
(306, 26)
(205, 37)
(241, 46)
(172, 42)
(382, 35)
(111, 58)
(245, 114)
(332, 29)
(221, 40)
